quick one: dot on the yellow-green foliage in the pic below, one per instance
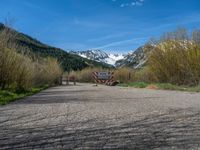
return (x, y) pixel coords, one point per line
(144, 75)
(20, 71)
(124, 75)
(176, 62)
(14, 69)
(47, 71)
(85, 75)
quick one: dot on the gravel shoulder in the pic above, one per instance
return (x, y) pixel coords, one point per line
(102, 117)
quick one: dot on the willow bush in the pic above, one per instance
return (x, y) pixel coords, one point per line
(124, 75)
(85, 75)
(176, 62)
(20, 72)
(144, 75)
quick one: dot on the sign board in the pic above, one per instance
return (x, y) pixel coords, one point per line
(103, 75)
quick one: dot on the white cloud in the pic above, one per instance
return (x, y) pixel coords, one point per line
(122, 5)
(133, 3)
(71, 46)
(110, 36)
(119, 43)
(138, 3)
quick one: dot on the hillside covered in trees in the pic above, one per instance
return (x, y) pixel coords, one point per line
(68, 61)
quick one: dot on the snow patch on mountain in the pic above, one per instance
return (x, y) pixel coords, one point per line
(113, 58)
(100, 56)
(135, 59)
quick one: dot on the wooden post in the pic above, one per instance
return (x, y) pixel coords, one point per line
(129, 76)
(60, 80)
(67, 81)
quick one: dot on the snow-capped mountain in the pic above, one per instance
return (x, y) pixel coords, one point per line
(100, 56)
(135, 59)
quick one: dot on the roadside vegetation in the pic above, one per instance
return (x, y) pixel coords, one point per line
(24, 73)
(173, 64)
(7, 96)
(161, 86)
(85, 75)
(176, 59)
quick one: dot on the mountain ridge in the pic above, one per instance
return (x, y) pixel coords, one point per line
(67, 60)
(99, 55)
(134, 59)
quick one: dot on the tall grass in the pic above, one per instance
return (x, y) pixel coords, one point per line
(20, 72)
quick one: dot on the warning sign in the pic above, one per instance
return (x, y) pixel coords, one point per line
(103, 75)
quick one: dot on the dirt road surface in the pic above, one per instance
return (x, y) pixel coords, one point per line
(102, 117)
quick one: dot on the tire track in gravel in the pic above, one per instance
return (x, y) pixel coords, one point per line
(102, 117)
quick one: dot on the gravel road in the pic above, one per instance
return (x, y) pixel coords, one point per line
(102, 117)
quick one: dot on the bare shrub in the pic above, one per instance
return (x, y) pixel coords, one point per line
(180, 34)
(196, 36)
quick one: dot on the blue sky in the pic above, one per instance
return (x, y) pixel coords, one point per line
(117, 26)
